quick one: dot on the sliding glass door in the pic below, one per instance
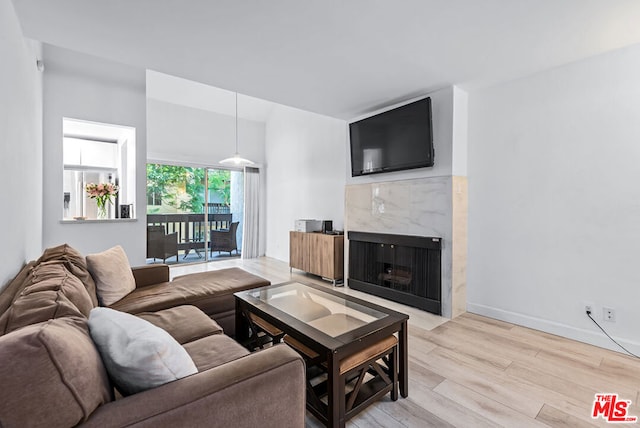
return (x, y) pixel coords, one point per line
(197, 212)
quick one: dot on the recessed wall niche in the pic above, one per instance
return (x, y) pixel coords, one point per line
(98, 153)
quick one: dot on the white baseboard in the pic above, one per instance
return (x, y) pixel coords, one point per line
(595, 337)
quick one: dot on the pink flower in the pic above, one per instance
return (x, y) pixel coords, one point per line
(102, 192)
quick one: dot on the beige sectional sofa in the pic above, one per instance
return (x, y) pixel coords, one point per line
(52, 374)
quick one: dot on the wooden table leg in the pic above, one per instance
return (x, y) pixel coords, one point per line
(335, 403)
(242, 329)
(403, 349)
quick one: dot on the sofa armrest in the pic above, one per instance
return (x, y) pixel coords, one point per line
(150, 274)
(266, 389)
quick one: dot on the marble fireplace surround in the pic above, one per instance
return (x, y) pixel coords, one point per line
(432, 206)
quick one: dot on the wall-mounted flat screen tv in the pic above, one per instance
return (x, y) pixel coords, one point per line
(394, 140)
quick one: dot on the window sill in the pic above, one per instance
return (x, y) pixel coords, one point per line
(95, 220)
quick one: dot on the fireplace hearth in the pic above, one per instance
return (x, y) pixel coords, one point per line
(402, 268)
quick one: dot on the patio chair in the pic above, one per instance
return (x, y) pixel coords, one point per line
(225, 239)
(160, 245)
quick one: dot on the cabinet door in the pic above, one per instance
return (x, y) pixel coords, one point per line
(299, 251)
(326, 255)
(320, 255)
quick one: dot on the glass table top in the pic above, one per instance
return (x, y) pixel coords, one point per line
(331, 314)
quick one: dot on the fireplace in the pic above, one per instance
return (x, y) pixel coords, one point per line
(405, 269)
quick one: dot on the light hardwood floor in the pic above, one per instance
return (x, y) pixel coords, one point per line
(474, 371)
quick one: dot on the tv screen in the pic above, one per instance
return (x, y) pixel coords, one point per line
(394, 140)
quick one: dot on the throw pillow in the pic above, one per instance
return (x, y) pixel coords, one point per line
(112, 273)
(137, 354)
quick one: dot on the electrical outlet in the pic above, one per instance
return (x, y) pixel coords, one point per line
(609, 314)
(588, 308)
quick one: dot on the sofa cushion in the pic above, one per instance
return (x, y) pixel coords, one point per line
(75, 263)
(223, 281)
(54, 275)
(112, 273)
(51, 375)
(212, 351)
(184, 323)
(53, 292)
(137, 354)
(211, 291)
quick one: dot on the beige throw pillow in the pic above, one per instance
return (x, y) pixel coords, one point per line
(112, 274)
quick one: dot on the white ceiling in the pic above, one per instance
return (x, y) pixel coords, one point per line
(335, 57)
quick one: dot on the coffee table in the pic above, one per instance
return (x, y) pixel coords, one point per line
(329, 323)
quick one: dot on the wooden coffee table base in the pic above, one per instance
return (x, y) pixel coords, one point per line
(357, 367)
(379, 362)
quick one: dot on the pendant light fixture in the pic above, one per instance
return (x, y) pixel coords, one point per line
(236, 160)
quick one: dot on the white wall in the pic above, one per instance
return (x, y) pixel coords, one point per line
(306, 161)
(84, 87)
(459, 155)
(20, 146)
(185, 134)
(554, 198)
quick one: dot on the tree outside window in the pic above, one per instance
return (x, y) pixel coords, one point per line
(180, 189)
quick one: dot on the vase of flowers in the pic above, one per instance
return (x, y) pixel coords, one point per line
(102, 193)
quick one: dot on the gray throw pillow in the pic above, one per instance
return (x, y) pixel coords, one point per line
(137, 354)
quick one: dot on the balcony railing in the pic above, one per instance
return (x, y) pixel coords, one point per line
(192, 229)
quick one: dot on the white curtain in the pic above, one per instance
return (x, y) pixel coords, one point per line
(250, 244)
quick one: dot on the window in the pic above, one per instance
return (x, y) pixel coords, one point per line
(97, 153)
(154, 198)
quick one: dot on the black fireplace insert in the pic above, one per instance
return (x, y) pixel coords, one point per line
(402, 268)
